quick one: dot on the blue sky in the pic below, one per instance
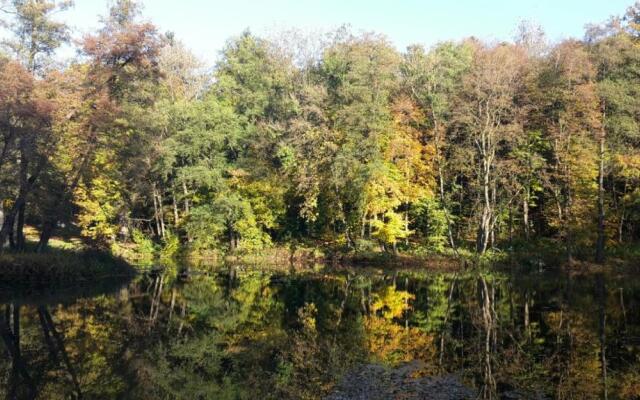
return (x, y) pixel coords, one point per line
(205, 25)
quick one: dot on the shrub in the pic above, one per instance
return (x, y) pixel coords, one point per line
(144, 246)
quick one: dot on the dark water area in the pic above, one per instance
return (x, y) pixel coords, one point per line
(281, 333)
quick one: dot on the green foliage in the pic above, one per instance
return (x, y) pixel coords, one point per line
(431, 221)
(366, 246)
(465, 145)
(144, 246)
(37, 33)
(170, 245)
(204, 226)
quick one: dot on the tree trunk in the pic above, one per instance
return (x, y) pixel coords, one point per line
(622, 215)
(525, 211)
(7, 144)
(443, 204)
(1, 215)
(484, 227)
(568, 212)
(6, 232)
(568, 224)
(20, 241)
(526, 316)
(510, 225)
(406, 225)
(232, 239)
(347, 235)
(492, 230)
(600, 243)
(47, 231)
(176, 217)
(156, 217)
(623, 309)
(25, 187)
(161, 213)
(172, 305)
(9, 224)
(10, 220)
(185, 192)
(621, 229)
(26, 184)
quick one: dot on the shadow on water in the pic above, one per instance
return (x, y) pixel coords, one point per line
(282, 333)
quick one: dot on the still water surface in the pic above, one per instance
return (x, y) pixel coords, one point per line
(284, 333)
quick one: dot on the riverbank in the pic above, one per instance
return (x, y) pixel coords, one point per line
(309, 256)
(61, 267)
(70, 259)
(376, 382)
(531, 256)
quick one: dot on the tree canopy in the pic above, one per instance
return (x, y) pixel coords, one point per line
(343, 141)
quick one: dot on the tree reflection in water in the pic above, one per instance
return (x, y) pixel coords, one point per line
(243, 333)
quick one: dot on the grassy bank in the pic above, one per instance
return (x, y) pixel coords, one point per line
(311, 255)
(61, 266)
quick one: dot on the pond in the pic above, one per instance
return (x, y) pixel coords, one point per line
(293, 333)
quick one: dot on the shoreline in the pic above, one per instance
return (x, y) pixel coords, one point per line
(62, 266)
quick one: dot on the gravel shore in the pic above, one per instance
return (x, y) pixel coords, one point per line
(376, 382)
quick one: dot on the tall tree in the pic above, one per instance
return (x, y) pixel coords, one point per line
(36, 35)
(119, 84)
(433, 79)
(486, 113)
(572, 118)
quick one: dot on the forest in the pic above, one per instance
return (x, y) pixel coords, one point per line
(317, 215)
(337, 140)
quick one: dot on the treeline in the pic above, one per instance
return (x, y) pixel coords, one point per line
(337, 139)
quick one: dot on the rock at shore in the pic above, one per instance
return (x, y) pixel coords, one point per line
(376, 382)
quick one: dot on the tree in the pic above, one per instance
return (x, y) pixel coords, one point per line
(36, 35)
(359, 75)
(616, 56)
(333, 138)
(120, 79)
(571, 117)
(486, 115)
(18, 110)
(433, 80)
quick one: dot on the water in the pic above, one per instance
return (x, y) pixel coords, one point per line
(280, 333)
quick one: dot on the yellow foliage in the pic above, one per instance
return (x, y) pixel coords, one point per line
(391, 342)
(391, 302)
(390, 229)
(629, 165)
(98, 203)
(630, 385)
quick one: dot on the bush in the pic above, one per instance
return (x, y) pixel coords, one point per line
(366, 246)
(144, 246)
(430, 219)
(170, 245)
